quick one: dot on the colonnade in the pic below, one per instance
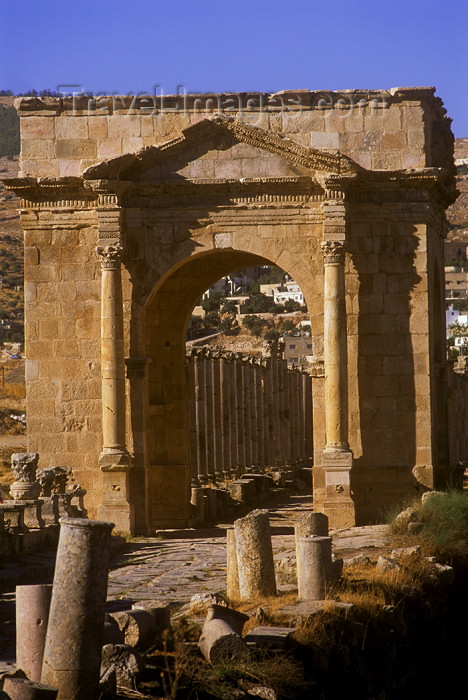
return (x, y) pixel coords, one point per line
(244, 411)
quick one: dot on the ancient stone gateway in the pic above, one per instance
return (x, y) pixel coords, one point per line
(131, 210)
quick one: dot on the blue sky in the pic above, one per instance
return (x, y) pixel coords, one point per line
(123, 46)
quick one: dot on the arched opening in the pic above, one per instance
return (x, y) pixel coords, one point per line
(168, 459)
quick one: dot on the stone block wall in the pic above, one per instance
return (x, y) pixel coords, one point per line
(62, 319)
(378, 129)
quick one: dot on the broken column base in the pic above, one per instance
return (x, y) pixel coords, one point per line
(221, 635)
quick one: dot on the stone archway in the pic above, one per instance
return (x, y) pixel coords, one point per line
(167, 312)
(355, 228)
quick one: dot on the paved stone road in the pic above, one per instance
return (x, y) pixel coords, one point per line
(174, 568)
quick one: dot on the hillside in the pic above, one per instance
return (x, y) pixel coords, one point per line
(11, 257)
(458, 212)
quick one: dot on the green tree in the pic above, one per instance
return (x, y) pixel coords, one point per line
(275, 275)
(212, 303)
(254, 324)
(287, 326)
(272, 334)
(259, 304)
(291, 305)
(460, 304)
(212, 319)
(229, 307)
(225, 325)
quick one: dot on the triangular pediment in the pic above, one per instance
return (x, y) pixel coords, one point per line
(242, 144)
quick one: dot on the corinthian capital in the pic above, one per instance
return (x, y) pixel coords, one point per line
(111, 256)
(333, 252)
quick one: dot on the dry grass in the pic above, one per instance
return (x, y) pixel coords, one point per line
(443, 527)
(265, 611)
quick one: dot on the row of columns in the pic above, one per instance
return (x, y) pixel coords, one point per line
(245, 411)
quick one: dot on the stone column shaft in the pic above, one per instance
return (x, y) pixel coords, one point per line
(246, 409)
(276, 395)
(254, 408)
(32, 616)
(72, 655)
(217, 417)
(114, 460)
(314, 570)
(270, 414)
(309, 427)
(233, 427)
(256, 568)
(337, 458)
(112, 351)
(283, 367)
(192, 418)
(335, 347)
(209, 440)
(241, 461)
(199, 380)
(225, 414)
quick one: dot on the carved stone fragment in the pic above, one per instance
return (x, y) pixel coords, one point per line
(24, 466)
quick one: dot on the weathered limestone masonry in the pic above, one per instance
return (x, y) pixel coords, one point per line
(132, 207)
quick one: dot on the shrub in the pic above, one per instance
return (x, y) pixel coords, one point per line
(211, 319)
(272, 334)
(229, 307)
(442, 525)
(225, 325)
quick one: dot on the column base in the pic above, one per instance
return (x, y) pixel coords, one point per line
(115, 507)
(338, 504)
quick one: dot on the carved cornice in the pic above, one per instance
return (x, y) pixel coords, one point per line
(218, 354)
(333, 252)
(219, 126)
(66, 192)
(322, 160)
(413, 184)
(51, 193)
(109, 192)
